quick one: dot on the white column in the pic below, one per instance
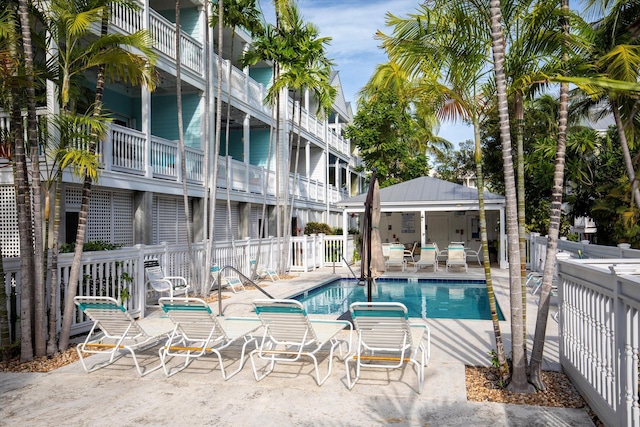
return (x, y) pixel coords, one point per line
(307, 159)
(503, 242)
(423, 231)
(246, 139)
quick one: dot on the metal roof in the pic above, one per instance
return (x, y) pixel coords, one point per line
(427, 192)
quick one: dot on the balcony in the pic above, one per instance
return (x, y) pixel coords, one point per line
(242, 87)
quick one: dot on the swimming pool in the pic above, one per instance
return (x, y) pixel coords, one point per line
(436, 299)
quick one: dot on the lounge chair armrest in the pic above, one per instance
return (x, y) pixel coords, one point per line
(179, 279)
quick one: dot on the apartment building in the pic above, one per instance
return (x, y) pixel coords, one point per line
(139, 197)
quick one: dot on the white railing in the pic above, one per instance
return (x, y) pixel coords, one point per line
(599, 326)
(163, 33)
(537, 249)
(165, 162)
(126, 149)
(312, 125)
(119, 272)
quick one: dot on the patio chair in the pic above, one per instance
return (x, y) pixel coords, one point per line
(456, 257)
(386, 248)
(290, 334)
(387, 340)
(197, 331)
(157, 281)
(113, 330)
(474, 253)
(396, 257)
(409, 254)
(213, 275)
(442, 253)
(234, 282)
(428, 256)
(264, 272)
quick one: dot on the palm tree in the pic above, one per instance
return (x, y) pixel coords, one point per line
(554, 223)
(39, 304)
(110, 55)
(21, 182)
(519, 375)
(181, 147)
(424, 39)
(236, 13)
(311, 71)
(279, 45)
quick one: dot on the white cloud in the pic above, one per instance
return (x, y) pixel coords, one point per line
(352, 25)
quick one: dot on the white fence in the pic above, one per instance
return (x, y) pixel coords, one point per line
(599, 334)
(599, 324)
(121, 272)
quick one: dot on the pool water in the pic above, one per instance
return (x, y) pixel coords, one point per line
(423, 298)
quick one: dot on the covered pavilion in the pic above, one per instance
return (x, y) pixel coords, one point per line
(448, 212)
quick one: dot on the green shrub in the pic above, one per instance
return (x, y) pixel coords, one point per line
(317, 228)
(90, 246)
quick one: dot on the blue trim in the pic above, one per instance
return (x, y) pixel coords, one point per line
(379, 312)
(182, 307)
(100, 306)
(279, 309)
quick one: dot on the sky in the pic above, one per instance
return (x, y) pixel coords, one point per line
(352, 25)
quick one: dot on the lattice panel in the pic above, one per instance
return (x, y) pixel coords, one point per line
(169, 223)
(110, 214)
(123, 218)
(222, 222)
(9, 222)
(99, 221)
(73, 197)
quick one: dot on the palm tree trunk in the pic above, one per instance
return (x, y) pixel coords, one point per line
(32, 126)
(24, 228)
(628, 162)
(554, 226)
(502, 359)
(5, 336)
(52, 347)
(183, 153)
(204, 268)
(216, 136)
(519, 113)
(519, 375)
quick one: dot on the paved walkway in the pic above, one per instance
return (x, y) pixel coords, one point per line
(115, 395)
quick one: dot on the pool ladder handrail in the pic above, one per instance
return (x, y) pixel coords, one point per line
(232, 268)
(352, 273)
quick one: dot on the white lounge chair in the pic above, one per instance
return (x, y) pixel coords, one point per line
(197, 331)
(396, 257)
(157, 281)
(264, 272)
(113, 330)
(290, 334)
(428, 256)
(233, 282)
(456, 257)
(387, 340)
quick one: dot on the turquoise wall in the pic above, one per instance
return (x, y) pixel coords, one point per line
(260, 148)
(189, 20)
(236, 144)
(164, 118)
(122, 108)
(261, 75)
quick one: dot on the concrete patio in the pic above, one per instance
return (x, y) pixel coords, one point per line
(115, 395)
